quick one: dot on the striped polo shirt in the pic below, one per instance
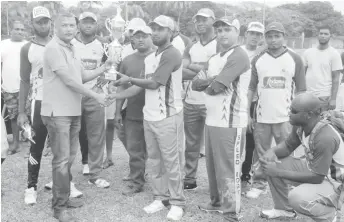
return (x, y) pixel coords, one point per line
(273, 78)
(199, 53)
(229, 108)
(166, 69)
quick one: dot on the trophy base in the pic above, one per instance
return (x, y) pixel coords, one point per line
(111, 75)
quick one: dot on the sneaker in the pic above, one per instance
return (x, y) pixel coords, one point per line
(233, 217)
(86, 170)
(154, 207)
(245, 187)
(132, 190)
(49, 186)
(100, 183)
(74, 193)
(210, 208)
(190, 186)
(277, 214)
(254, 193)
(175, 214)
(127, 178)
(30, 196)
(74, 203)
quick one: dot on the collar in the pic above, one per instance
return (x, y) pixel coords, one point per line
(60, 42)
(78, 38)
(169, 46)
(232, 47)
(33, 40)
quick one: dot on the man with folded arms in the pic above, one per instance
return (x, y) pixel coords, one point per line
(63, 76)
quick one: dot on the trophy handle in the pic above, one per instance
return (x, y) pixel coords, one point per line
(106, 49)
(108, 25)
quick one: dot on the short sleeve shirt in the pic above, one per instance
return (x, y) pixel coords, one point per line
(58, 98)
(166, 69)
(320, 64)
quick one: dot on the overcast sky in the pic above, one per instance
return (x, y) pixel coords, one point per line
(338, 4)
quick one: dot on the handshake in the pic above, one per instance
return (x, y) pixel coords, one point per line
(105, 99)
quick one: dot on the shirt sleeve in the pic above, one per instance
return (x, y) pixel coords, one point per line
(293, 140)
(186, 54)
(336, 62)
(299, 76)
(25, 65)
(170, 61)
(254, 76)
(325, 144)
(55, 59)
(237, 63)
(304, 58)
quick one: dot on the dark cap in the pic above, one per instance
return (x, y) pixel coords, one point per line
(275, 26)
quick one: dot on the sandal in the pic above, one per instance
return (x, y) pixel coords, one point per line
(107, 164)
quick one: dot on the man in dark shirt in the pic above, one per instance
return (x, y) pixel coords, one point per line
(318, 177)
(133, 66)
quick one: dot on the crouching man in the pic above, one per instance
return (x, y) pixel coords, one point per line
(318, 179)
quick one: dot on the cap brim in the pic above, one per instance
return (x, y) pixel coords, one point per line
(154, 22)
(255, 30)
(276, 30)
(201, 14)
(88, 17)
(135, 32)
(40, 17)
(221, 21)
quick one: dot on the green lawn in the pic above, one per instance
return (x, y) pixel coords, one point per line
(105, 205)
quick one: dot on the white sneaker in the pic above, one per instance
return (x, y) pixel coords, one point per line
(154, 207)
(176, 213)
(30, 196)
(86, 170)
(49, 186)
(277, 214)
(254, 193)
(74, 193)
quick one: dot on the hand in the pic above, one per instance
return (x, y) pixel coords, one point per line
(250, 124)
(101, 99)
(22, 119)
(101, 80)
(270, 156)
(269, 168)
(110, 98)
(118, 121)
(123, 79)
(332, 104)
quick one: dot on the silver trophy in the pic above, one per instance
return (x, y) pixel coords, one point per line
(113, 50)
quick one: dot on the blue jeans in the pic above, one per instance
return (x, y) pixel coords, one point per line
(64, 141)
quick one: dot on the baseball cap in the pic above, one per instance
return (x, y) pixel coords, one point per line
(145, 29)
(205, 12)
(88, 15)
(136, 22)
(275, 26)
(255, 27)
(40, 12)
(163, 21)
(231, 22)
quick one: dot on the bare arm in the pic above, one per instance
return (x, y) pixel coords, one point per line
(88, 75)
(119, 102)
(25, 73)
(130, 92)
(335, 84)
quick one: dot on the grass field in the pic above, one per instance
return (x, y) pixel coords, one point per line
(105, 205)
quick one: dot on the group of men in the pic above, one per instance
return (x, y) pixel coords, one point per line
(235, 100)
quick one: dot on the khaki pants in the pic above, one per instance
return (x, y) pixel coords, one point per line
(317, 201)
(224, 150)
(165, 148)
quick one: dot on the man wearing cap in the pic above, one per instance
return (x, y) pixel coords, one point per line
(225, 87)
(163, 118)
(121, 105)
(253, 35)
(10, 76)
(276, 73)
(323, 67)
(63, 75)
(30, 97)
(133, 120)
(318, 178)
(195, 59)
(92, 134)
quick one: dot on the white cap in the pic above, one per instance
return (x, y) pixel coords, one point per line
(40, 11)
(136, 22)
(145, 29)
(255, 27)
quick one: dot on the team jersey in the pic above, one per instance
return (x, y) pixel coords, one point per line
(91, 55)
(229, 108)
(273, 78)
(198, 53)
(127, 50)
(31, 68)
(179, 44)
(166, 69)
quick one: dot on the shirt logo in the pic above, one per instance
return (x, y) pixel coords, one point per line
(89, 64)
(274, 82)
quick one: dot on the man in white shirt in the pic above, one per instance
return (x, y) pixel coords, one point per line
(340, 95)
(10, 68)
(254, 35)
(323, 65)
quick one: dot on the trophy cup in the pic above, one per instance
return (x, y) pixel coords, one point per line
(113, 50)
